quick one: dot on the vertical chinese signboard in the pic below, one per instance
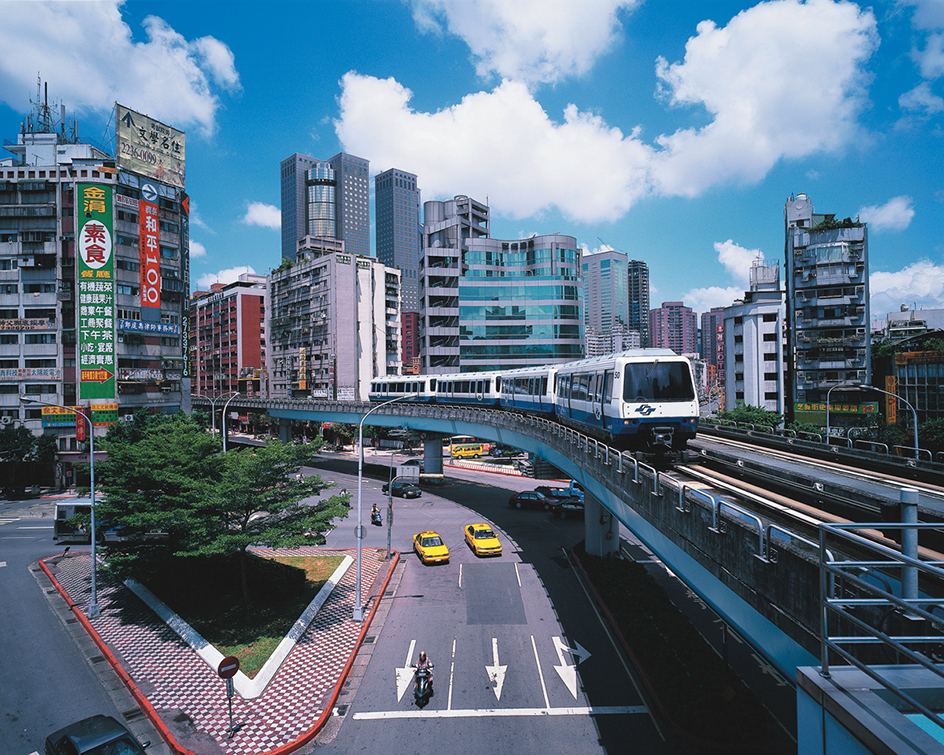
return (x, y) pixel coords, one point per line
(891, 402)
(96, 272)
(150, 258)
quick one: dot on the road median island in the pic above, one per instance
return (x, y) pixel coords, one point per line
(687, 683)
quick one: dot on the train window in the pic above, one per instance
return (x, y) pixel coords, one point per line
(432, 384)
(608, 386)
(658, 381)
(488, 385)
(579, 390)
(544, 385)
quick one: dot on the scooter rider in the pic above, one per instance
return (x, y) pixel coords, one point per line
(375, 515)
(425, 664)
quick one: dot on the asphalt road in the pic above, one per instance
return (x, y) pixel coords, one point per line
(49, 679)
(526, 607)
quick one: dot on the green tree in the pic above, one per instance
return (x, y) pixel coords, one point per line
(160, 472)
(45, 449)
(753, 415)
(16, 443)
(931, 435)
(263, 500)
(167, 474)
(344, 430)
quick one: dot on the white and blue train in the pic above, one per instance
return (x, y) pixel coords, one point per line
(643, 399)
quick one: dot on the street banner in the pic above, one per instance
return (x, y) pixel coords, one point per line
(96, 284)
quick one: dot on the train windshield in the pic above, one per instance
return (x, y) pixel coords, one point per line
(658, 381)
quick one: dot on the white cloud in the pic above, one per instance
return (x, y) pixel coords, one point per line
(90, 48)
(223, 276)
(737, 260)
(705, 299)
(746, 75)
(536, 41)
(197, 249)
(511, 151)
(920, 284)
(929, 14)
(921, 99)
(264, 215)
(894, 215)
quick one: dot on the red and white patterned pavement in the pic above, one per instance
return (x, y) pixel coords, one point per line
(176, 680)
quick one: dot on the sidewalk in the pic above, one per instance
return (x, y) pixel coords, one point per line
(183, 695)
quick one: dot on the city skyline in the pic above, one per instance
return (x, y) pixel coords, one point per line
(566, 118)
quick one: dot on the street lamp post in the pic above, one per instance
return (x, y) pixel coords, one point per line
(832, 388)
(94, 611)
(359, 531)
(863, 386)
(223, 418)
(213, 410)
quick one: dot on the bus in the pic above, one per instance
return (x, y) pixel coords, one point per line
(465, 446)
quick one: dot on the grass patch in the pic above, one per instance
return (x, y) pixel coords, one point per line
(207, 594)
(699, 693)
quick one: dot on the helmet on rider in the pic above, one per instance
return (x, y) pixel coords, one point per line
(422, 655)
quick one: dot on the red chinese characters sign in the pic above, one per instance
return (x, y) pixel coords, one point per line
(96, 285)
(150, 255)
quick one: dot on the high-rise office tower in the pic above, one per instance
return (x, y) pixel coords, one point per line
(712, 339)
(606, 305)
(398, 234)
(827, 271)
(326, 199)
(638, 296)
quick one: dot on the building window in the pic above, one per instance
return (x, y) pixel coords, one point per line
(33, 338)
(9, 338)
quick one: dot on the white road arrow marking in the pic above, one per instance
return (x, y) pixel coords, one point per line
(496, 673)
(405, 674)
(568, 673)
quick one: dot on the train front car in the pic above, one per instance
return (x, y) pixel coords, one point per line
(642, 399)
(657, 400)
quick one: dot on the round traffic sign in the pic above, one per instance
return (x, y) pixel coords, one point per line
(228, 667)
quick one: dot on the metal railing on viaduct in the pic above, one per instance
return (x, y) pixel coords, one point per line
(761, 579)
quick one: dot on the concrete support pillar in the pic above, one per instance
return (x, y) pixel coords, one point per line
(909, 541)
(432, 455)
(601, 528)
(285, 430)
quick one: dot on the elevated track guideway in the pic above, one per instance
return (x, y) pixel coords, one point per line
(744, 539)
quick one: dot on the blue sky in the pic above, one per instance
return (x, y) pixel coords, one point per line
(671, 131)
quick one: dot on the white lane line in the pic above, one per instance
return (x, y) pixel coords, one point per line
(3, 563)
(518, 575)
(547, 703)
(46, 527)
(460, 576)
(502, 712)
(452, 674)
(409, 653)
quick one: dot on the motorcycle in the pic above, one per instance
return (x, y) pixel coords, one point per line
(423, 686)
(376, 519)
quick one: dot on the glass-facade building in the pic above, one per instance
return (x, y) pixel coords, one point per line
(398, 234)
(638, 295)
(517, 303)
(325, 199)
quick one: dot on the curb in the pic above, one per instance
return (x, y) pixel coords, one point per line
(149, 709)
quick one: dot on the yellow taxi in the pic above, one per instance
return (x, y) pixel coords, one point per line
(431, 549)
(482, 540)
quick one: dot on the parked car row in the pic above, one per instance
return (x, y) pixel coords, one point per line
(562, 502)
